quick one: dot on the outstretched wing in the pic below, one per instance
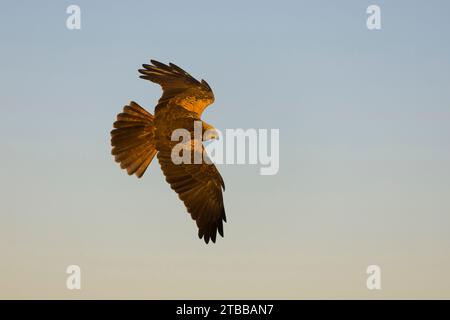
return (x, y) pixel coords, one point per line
(179, 87)
(199, 186)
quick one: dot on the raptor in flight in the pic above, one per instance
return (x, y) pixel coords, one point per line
(138, 136)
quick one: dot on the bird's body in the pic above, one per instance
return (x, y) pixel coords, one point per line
(139, 136)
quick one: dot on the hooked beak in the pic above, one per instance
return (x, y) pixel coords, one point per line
(212, 134)
(216, 135)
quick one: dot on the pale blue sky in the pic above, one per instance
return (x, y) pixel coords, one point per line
(364, 119)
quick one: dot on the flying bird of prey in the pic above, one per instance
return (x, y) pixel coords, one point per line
(138, 136)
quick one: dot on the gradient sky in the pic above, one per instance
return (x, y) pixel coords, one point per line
(364, 119)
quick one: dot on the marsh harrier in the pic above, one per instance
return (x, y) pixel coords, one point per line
(138, 136)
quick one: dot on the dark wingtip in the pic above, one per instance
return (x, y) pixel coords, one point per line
(213, 235)
(155, 62)
(220, 228)
(160, 65)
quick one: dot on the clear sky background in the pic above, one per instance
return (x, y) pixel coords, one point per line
(364, 119)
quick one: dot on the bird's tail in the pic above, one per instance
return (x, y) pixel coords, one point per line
(133, 139)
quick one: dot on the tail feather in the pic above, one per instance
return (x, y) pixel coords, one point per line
(132, 139)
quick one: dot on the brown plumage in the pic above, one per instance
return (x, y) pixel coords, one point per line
(138, 136)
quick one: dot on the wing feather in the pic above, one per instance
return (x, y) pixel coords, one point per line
(179, 87)
(199, 186)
